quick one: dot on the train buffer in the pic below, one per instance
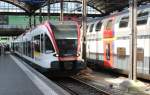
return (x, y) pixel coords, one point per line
(18, 78)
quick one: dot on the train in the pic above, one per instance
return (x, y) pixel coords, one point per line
(108, 42)
(52, 47)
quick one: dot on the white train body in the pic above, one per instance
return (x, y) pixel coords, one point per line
(108, 43)
(52, 46)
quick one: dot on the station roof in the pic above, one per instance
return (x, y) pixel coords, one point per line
(104, 6)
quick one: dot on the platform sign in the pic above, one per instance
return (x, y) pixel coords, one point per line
(3, 20)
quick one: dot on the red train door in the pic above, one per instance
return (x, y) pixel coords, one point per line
(108, 43)
(108, 53)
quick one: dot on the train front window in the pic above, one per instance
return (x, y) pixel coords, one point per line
(67, 46)
(66, 38)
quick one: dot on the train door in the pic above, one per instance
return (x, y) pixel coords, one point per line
(108, 53)
(37, 47)
(108, 43)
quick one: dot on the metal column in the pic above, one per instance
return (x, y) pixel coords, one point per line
(48, 5)
(84, 26)
(62, 10)
(34, 20)
(40, 18)
(133, 41)
(30, 24)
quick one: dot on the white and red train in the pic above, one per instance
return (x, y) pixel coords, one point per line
(108, 42)
(53, 47)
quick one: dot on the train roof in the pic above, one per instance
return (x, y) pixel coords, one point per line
(142, 7)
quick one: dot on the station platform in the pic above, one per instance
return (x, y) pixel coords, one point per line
(18, 78)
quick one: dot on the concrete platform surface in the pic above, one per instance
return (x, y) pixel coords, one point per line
(17, 79)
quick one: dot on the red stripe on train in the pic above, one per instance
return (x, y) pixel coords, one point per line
(47, 24)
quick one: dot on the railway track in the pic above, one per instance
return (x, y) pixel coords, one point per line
(101, 87)
(75, 87)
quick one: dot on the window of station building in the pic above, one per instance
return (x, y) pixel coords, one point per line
(7, 7)
(142, 18)
(48, 44)
(69, 7)
(109, 24)
(91, 28)
(124, 22)
(98, 26)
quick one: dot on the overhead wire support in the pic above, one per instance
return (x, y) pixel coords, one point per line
(40, 16)
(48, 9)
(133, 39)
(84, 28)
(30, 21)
(34, 19)
(62, 10)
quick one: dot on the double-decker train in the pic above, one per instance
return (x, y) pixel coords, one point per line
(53, 47)
(108, 42)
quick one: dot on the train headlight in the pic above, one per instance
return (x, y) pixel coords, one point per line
(57, 55)
(78, 54)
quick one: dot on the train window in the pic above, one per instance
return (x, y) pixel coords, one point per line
(20, 47)
(24, 48)
(87, 27)
(16, 46)
(98, 26)
(109, 24)
(37, 43)
(48, 44)
(91, 28)
(29, 51)
(142, 18)
(124, 22)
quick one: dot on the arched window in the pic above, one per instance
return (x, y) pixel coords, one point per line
(69, 7)
(7, 7)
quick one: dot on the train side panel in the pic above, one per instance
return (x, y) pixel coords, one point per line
(114, 47)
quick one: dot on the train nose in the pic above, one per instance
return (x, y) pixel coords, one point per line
(68, 65)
